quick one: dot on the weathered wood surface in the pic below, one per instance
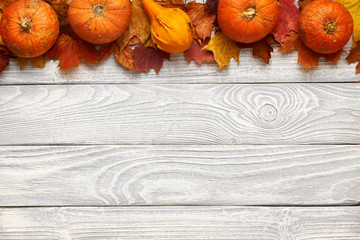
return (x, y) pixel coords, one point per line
(175, 223)
(179, 175)
(283, 68)
(180, 114)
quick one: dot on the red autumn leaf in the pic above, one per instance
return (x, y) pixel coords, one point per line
(307, 57)
(261, 48)
(201, 18)
(106, 50)
(289, 15)
(70, 49)
(212, 5)
(196, 53)
(4, 61)
(354, 56)
(148, 58)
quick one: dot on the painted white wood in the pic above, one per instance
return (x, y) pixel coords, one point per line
(283, 67)
(180, 114)
(181, 223)
(179, 175)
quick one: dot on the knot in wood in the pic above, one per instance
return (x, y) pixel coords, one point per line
(268, 112)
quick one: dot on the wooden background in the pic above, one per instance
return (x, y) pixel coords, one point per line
(255, 152)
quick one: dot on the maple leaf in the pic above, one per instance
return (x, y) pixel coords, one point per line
(4, 61)
(196, 53)
(172, 3)
(354, 56)
(354, 8)
(223, 48)
(126, 58)
(307, 57)
(201, 18)
(35, 62)
(148, 58)
(5, 3)
(70, 49)
(106, 50)
(289, 15)
(261, 48)
(139, 26)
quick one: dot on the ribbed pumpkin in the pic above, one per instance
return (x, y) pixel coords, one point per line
(171, 28)
(29, 28)
(99, 21)
(325, 26)
(247, 21)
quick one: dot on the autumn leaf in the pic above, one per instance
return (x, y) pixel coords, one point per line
(106, 50)
(35, 62)
(201, 18)
(223, 48)
(4, 61)
(196, 53)
(261, 48)
(211, 6)
(139, 26)
(354, 56)
(354, 8)
(5, 3)
(289, 15)
(172, 3)
(307, 57)
(303, 3)
(148, 58)
(70, 49)
(126, 58)
(60, 6)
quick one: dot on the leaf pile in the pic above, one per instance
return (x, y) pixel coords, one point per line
(136, 51)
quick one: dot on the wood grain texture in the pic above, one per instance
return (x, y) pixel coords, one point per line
(180, 114)
(283, 68)
(180, 223)
(179, 175)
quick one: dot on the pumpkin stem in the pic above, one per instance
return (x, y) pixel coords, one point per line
(99, 10)
(25, 24)
(250, 13)
(330, 27)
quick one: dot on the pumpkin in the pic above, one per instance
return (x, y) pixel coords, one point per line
(99, 21)
(29, 28)
(247, 21)
(171, 28)
(325, 26)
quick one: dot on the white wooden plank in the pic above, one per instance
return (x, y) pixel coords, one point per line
(180, 223)
(179, 175)
(283, 68)
(180, 114)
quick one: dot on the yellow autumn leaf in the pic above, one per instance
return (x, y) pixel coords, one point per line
(354, 7)
(223, 48)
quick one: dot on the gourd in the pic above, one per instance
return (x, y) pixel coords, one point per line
(171, 28)
(325, 26)
(29, 28)
(247, 21)
(100, 21)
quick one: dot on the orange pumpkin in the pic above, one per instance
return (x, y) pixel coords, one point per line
(325, 26)
(29, 28)
(99, 21)
(247, 21)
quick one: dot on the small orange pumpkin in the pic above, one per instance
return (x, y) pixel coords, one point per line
(325, 26)
(29, 28)
(99, 21)
(247, 21)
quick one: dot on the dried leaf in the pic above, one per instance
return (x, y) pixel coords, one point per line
(211, 6)
(261, 48)
(149, 58)
(172, 3)
(354, 56)
(126, 57)
(223, 48)
(4, 61)
(60, 6)
(70, 49)
(21, 62)
(35, 62)
(303, 3)
(289, 15)
(307, 57)
(201, 18)
(139, 26)
(196, 53)
(106, 50)
(354, 8)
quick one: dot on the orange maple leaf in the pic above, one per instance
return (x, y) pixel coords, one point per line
(354, 56)
(124, 57)
(307, 57)
(35, 62)
(223, 48)
(70, 49)
(201, 18)
(261, 48)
